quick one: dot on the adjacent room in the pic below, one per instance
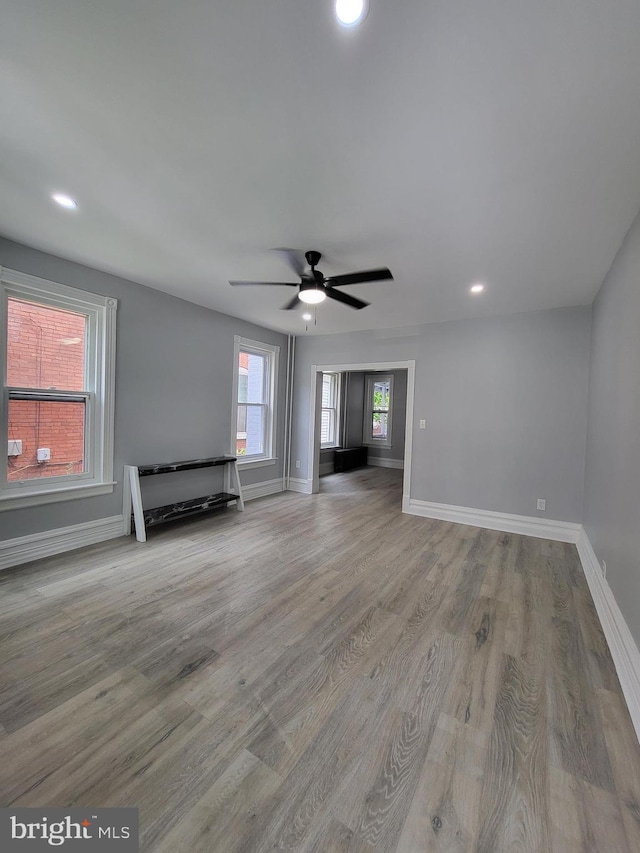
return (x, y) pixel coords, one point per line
(320, 514)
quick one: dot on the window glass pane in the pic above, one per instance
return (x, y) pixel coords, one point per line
(253, 367)
(242, 419)
(380, 425)
(45, 346)
(241, 431)
(254, 429)
(381, 393)
(326, 427)
(326, 390)
(243, 379)
(55, 429)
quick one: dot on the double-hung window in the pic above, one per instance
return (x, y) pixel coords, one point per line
(255, 381)
(330, 410)
(58, 368)
(378, 406)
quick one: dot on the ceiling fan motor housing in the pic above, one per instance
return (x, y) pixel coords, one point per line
(312, 257)
(311, 279)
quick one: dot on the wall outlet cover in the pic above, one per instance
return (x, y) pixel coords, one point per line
(542, 504)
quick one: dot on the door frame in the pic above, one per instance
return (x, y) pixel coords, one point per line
(316, 409)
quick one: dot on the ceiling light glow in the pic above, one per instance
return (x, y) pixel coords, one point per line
(64, 201)
(351, 12)
(477, 288)
(312, 296)
(306, 316)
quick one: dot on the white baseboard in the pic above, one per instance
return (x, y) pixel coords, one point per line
(561, 531)
(261, 490)
(305, 487)
(384, 462)
(622, 646)
(326, 468)
(24, 549)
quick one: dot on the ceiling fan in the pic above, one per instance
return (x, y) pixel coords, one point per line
(314, 287)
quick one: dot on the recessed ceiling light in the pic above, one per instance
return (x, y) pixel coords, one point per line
(306, 316)
(351, 12)
(477, 288)
(64, 201)
(312, 296)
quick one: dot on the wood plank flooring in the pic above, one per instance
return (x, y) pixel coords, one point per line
(320, 674)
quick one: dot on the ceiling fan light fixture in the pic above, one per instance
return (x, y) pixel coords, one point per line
(312, 296)
(350, 13)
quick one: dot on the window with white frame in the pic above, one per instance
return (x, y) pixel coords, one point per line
(330, 410)
(378, 407)
(58, 369)
(255, 380)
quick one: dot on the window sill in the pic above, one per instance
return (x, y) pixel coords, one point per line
(377, 444)
(255, 463)
(66, 493)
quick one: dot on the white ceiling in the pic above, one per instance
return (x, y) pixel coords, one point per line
(452, 141)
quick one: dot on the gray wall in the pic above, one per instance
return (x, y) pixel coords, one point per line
(505, 400)
(354, 389)
(355, 414)
(612, 478)
(174, 375)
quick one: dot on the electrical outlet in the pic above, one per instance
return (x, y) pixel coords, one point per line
(542, 504)
(423, 424)
(297, 463)
(604, 568)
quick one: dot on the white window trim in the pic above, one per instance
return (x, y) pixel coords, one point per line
(367, 437)
(100, 393)
(336, 442)
(273, 352)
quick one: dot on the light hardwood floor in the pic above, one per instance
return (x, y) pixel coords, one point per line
(321, 674)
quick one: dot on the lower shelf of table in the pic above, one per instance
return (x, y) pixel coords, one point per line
(183, 509)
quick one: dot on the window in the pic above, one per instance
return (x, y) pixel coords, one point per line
(378, 404)
(256, 370)
(58, 375)
(330, 404)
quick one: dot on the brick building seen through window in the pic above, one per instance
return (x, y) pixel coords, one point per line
(45, 350)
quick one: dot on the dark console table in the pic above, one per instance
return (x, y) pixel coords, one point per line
(134, 512)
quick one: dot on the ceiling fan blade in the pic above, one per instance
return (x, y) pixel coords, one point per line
(359, 277)
(339, 296)
(293, 303)
(293, 258)
(271, 283)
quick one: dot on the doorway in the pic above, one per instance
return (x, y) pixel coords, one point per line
(315, 413)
